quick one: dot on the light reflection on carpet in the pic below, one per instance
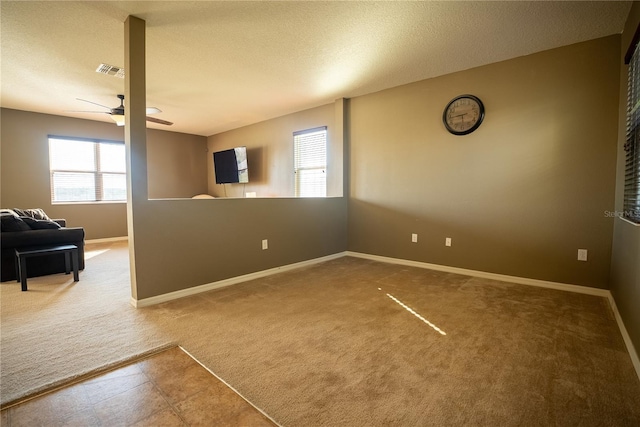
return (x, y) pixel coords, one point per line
(412, 311)
(91, 254)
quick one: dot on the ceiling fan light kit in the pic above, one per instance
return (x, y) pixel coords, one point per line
(118, 119)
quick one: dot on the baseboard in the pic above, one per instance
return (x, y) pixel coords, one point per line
(486, 275)
(625, 335)
(106, 240)
(145, 302)
(523, 281)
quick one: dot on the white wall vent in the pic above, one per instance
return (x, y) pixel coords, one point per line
(110, 70)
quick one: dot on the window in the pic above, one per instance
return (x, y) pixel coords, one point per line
(310, 162)
(631, 206)
(87, 170)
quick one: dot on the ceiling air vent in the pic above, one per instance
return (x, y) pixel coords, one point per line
(110, 70)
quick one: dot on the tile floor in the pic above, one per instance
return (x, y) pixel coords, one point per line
(167, 389)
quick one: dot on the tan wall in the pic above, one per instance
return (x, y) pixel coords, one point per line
(185, 243)
(25, 170)
(177, 164)
(625, 261)
(520, 195)
(174, 170)
(270, 154)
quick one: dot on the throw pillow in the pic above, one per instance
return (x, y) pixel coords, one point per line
(40, 224)
(33, 213)
(12, 223)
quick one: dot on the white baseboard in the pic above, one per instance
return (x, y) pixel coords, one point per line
(485, 275)
(523, 281)
(106, 240)
(145, 302)
(625, 335)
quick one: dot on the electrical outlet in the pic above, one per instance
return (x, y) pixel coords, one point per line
(414, 238)
(447, 241)
(265, 244)
(582, 254)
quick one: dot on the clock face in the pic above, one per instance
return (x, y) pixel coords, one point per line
(463, 114)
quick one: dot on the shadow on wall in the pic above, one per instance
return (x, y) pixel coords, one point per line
(256, 168)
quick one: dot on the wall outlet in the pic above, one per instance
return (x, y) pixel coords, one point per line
(265, 244)
(414, 238)
(582, 254)
(447, 241)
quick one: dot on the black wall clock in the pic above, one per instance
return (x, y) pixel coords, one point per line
(463, 114)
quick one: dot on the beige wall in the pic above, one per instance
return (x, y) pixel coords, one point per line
(625, 262)
(177, 168)
(177, 164)
(520, 195)
(270, 154)
(25, 170)
(184, 243)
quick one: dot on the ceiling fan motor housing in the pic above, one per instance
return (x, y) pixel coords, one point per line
(119, 111)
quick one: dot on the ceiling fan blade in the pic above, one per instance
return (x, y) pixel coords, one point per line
(159, 121)
(94, 103)
(85, 111)
(153, 110)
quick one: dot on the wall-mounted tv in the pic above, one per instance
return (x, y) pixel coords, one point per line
(230, 166)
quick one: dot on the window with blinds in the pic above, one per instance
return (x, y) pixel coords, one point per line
(87, 170)
(631, 207)
(310, 162)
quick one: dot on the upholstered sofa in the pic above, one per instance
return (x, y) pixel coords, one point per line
(23, 228)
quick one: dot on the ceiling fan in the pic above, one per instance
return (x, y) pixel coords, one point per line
(117, 113)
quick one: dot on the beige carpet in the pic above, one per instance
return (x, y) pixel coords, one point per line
(347, 342)
(59, 329)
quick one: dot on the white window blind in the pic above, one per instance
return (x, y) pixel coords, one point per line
(631, 207)
(87, 170)
(310, 162)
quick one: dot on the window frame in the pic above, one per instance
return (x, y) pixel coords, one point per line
(297, 168)
(96, 171)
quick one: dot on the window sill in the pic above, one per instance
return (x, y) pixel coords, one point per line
(629, 222)
(104, 202)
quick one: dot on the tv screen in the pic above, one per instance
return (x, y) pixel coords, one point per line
(231, 166)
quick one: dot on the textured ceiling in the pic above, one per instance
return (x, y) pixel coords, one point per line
(215, 66)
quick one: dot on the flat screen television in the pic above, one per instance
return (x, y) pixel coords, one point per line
(230, 166)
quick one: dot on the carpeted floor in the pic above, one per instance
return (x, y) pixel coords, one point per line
(346, 342)
(59, 329)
